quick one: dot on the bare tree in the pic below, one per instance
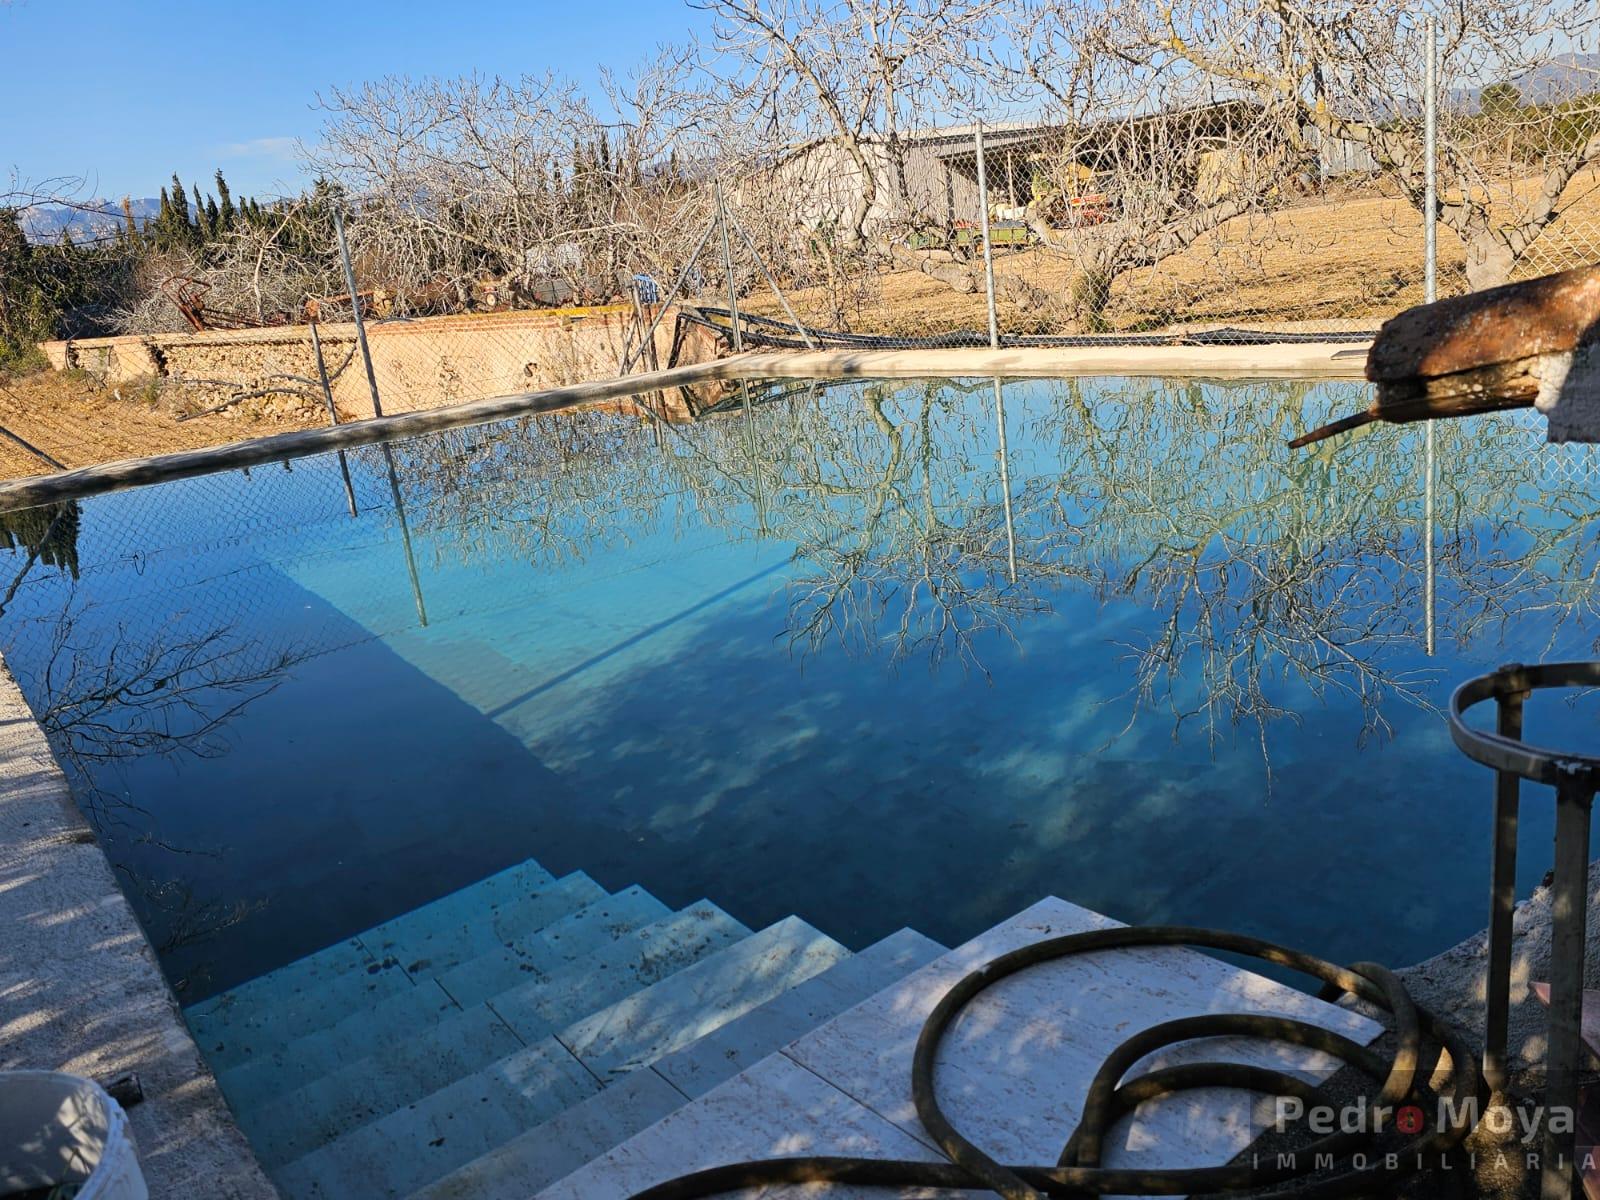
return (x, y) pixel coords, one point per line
(852, 75)
(1146, 160)
(1352, 74)
(522, 181)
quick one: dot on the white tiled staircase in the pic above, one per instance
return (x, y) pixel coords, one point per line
(497, 1039)
(1013, 1070)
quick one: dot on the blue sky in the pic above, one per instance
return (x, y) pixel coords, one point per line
(124, 93)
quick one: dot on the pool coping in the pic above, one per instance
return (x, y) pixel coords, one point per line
(80, 988)
(1298, 360)
(1301, 360)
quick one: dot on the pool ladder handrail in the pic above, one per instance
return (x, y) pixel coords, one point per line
(1576, 779)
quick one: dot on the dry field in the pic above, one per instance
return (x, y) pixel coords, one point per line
(77, 422)
(1342, 264)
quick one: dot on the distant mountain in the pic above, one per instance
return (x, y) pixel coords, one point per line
(1565, 77)
(93, 219)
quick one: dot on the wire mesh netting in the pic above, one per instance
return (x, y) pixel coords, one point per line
(1163, 198)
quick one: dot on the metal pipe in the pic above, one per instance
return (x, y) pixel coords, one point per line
(727, 268)
(333, 416)
(1430, 161)
(988, 251)
(1005, 481)
(683, 278)
(1502, 896)
(773, 284)
(355, 310)
(1574, 800)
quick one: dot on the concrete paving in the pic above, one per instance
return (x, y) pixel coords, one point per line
(1452, 984)
(80, 990)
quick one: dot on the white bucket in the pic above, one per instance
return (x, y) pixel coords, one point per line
(59, 1129)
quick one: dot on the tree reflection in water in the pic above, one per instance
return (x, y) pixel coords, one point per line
(931, 523)
(1278, 577)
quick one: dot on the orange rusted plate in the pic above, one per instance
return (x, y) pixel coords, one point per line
(1549, 315)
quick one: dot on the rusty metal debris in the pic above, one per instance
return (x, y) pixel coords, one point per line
(188, 296)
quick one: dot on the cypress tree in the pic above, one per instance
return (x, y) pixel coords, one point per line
(214, 229)
(180, 201)
(225, 210)
(182, 230)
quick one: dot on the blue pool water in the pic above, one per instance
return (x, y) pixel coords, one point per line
(828, 653)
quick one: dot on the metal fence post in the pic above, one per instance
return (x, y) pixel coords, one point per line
(988, 251)
(355, 308)
(772, 282)
(1430, 289)
(727, 266)
(1430, 160)
(661, 309)
(333, 415)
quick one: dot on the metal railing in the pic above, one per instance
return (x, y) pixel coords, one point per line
(1576, 780)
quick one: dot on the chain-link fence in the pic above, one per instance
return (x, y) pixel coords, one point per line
(1169, 203)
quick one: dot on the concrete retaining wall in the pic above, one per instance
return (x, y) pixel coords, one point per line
(419, 364)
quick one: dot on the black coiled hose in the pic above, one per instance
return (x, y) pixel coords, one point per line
(1078, 1171)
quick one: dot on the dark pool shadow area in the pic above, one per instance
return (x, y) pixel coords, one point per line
(358, 789)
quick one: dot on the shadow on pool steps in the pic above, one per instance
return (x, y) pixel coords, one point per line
(494, 1040)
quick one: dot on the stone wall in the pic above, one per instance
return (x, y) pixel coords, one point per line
(419, 364)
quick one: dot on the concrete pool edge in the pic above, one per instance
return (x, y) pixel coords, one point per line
(83, 991)
(1312, 361)
(1299, 360)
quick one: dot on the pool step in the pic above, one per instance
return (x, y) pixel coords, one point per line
(437, 937)
(293, 1064)
(427, 1139)
(1014, 1068)
(311, 974)
(316, 991)
(721, 1054)
(684, 1007)
(496, 1039)
(540, 1007)
(542, 952)
(333, 1082)
(286, 1126)
(540, 1156)
(266, 1043)
(454, 1125)
(520, 1166)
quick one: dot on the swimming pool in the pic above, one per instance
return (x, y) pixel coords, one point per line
(876, 654)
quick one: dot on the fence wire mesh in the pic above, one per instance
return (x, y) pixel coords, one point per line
(1163, 202)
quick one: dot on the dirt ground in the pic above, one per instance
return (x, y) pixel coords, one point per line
(69, 418)
(1342, 264)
